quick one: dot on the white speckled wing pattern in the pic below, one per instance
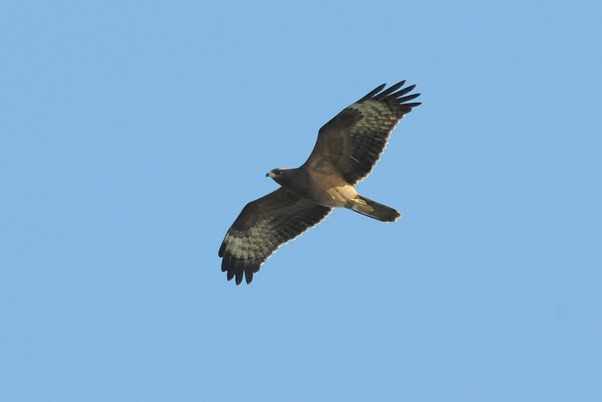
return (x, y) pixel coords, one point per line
(355, 138)
(264, 225)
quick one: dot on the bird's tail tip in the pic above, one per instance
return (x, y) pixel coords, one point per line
(373, 209)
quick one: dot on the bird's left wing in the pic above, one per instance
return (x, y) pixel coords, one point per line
(356, 137)
(263, 226)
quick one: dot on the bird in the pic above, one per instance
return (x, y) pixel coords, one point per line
(346, 151)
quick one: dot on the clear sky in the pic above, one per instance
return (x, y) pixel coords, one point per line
(133, 133)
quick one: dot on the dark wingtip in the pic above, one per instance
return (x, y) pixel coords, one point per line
(390, 90)
(407, 98)
(410, 87)
(393, 93)
(379, 88)
(238, 277)
(373, 92)
(238, 269)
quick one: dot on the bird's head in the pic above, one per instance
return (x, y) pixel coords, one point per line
(279, 175)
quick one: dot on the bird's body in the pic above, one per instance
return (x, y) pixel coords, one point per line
(322, 186)
(346, 151)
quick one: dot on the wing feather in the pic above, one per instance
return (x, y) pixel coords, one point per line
(264, 225)
(354, 140)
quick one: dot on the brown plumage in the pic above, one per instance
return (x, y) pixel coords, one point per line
(346, 151)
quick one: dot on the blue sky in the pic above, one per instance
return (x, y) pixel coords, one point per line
(133, 133)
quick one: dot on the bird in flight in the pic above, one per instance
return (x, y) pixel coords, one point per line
(346, 151)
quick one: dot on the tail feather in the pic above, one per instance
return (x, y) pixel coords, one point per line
(373, 209)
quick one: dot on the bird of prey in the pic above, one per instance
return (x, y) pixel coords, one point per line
(346, 151)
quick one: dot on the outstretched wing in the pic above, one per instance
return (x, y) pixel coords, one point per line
(263, 226)
(355, 138)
